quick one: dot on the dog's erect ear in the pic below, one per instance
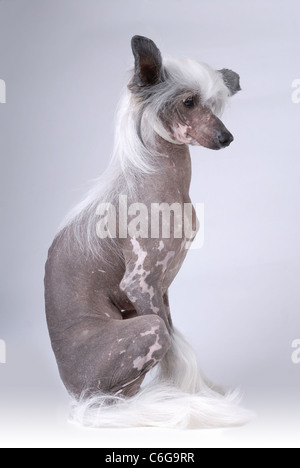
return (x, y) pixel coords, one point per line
(148, 62)
(232, 80)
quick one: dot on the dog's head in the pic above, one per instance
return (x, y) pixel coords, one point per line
(184, 98)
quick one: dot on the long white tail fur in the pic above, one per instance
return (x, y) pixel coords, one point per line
(178, 397)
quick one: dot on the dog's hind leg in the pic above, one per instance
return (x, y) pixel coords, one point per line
(110, 356)
(140, 344)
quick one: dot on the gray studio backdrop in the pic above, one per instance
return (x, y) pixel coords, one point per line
(65, 63)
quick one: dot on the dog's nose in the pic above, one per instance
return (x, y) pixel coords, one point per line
(225, 138)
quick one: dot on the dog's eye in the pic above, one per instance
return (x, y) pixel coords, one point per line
(189, 102)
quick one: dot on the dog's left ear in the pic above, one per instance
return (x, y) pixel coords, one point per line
(232, 80)
(148, 62)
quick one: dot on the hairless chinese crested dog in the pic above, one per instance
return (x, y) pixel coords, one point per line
(107, 295)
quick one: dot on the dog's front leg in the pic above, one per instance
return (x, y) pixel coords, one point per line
(146, 303)
(142, 284)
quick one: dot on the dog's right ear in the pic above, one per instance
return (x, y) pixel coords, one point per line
(148, 62)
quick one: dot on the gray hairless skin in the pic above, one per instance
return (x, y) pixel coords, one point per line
(109, 319)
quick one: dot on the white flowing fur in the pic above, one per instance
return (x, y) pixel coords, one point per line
(178, 397)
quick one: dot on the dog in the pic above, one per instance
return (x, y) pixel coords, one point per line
(107, 301)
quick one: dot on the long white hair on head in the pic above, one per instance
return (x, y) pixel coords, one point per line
(178, 397)
(134, 155)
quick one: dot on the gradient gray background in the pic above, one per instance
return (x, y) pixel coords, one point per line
(65, 63)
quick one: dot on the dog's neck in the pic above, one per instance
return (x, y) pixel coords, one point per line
(175, 172)
(176, 165)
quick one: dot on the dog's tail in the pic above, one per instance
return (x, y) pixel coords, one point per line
(179, 396)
